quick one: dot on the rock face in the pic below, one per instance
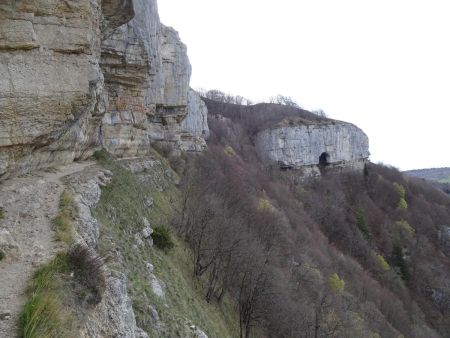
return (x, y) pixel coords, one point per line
(196, 121)
(76, 76)
(147, 80)
(310, 146)
(49, 80)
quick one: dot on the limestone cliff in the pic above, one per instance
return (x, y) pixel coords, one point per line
(76, 76)
(195, 125)
(309, 146)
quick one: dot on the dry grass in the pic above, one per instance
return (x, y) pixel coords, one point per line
(63, 220)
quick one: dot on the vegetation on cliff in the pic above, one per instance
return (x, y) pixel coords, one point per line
(121, 211)
(351, 254)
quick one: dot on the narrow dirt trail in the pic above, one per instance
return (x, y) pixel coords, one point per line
(30, 204)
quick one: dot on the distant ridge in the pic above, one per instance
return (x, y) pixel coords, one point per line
(441, 175)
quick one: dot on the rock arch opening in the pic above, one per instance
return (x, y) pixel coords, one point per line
(324, 159)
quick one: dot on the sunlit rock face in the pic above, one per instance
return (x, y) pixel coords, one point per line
(311, 147)
(76, 76)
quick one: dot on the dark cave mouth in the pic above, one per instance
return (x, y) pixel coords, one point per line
(324, 159)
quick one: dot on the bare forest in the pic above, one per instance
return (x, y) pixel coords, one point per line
(352, 254)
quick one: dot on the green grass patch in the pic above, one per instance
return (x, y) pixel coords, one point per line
(2, 213)
(45, 315)
(120, 212)
(63, 221)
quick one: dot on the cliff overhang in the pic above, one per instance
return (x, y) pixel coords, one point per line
(76, 77)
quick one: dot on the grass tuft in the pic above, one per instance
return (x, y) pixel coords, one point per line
(44, 315)
(2, 213)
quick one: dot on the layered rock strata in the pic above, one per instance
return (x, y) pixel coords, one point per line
(76, 76)
(310, 147)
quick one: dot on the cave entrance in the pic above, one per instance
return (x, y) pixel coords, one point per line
(324, 159)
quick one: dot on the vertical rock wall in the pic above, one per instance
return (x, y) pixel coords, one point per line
(76, 76)
(49, 80)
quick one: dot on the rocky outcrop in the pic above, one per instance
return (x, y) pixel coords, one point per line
(195, 125)
(196, 121)
(310, 146)
(147, 80)
(76, 76)
(113, 316)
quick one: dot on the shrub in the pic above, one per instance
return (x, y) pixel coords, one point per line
(2, 213)
(384, 265)
(162, 238)
(399, 261)
(265, 205)
(400, 189)
(229, 151)
(102, 155)
(88, 269)
(402, 204)
(2, 255)
(336, 283)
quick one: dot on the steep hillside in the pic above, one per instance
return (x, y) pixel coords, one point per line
(359, 253)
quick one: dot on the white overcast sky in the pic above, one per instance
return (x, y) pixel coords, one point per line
(383, 65)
